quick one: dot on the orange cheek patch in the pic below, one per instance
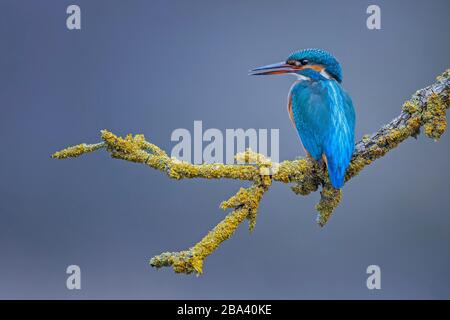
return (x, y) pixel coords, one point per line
(315, 67)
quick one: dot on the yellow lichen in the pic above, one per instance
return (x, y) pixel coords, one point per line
(413, 123)
(410, 107)
(78, 150)
(215, 237)
(180, 261)
(434, 117)
(329, 200)
(366, 138)
(444, 76)
(356, 165)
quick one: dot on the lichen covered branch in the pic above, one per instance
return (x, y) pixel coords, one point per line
(245, 206)
(427, 108)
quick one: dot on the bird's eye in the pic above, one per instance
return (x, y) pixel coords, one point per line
(298, 63)
(304, 62)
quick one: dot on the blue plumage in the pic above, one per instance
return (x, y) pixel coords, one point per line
(324, 117)
(320, 109)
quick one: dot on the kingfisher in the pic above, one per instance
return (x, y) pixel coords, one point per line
(320, 109)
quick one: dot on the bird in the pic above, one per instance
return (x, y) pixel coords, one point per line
(320, 109)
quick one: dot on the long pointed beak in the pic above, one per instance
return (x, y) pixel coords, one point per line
(276, 68)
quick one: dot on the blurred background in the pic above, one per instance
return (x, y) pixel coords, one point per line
(153, 66)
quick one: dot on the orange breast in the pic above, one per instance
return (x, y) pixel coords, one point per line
(291, 116)
(289, 108)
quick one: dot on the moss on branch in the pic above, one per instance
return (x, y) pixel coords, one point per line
(427, 108)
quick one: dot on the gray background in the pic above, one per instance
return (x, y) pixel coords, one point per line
(153, 66)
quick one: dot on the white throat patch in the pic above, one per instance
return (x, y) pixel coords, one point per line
(325, 74)
(300, 77)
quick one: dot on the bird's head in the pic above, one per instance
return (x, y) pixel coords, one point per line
(313, 64)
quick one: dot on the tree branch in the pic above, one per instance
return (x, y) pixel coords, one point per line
(427, 108)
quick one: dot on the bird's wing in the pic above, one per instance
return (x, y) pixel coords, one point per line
(325, 120)
(340, 142)
(311, 115)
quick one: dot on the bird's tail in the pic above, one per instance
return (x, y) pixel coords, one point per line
(336, 172)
